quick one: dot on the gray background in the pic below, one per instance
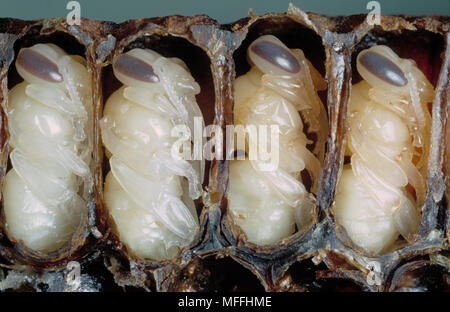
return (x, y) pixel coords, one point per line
(222, 10)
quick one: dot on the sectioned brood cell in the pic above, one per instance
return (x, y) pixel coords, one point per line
(48, 192)
(156, 81)
(387, 72)
(276, 48)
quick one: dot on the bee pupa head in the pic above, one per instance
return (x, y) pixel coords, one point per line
(135, 68)
(381, 67)
(272, 56)
(39, 64)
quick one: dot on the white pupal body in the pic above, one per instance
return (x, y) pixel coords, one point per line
(388, 140)
(149, 193)
(267, 204)
(50, 124)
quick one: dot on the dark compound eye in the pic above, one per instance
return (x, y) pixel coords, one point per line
(39, 65)
(276, 55)
(135, 68)
(383, 68)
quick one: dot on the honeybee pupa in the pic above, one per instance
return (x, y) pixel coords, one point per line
(389, 131)
(149, 193)
(49, 120)
(268, 204)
